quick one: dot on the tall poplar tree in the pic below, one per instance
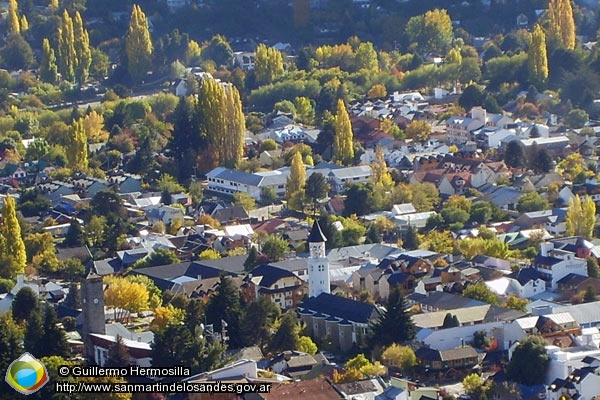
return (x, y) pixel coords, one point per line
(14, 26)
(138, 45)
(77, 149)
(66, 47)
(581, 216)
(561, 24)
(296, 182)
(268, 64)
(11, 245)
(48, 68)
(343, 141)
(83, 53)
(537, 58)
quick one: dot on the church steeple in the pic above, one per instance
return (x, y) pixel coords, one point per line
(318, 264)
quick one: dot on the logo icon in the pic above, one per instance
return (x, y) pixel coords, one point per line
(26, 374)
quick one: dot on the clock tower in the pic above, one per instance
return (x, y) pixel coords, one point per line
(318, 264)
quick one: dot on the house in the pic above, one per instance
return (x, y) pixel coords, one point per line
(581, 384)
(555, 264)
(317, 389)
(166, 214)
(438, 360)
(244, 60)
(369, 389)
(231, 215)
(138, 344)
(282, 287)
(338, 318)
(458, 129)
(296, 364)
(440, 301)
(524, 283)
(553, 220)
(466, 316)
(228, 181)
(504, 197)
(563, 364)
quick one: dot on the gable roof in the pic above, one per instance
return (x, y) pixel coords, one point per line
(340, 307)
(525, 275)
(266, 275)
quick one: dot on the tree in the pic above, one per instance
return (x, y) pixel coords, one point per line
(589, 294)
(537, 57)
(359, 199)
(450, 321)
(514, 155)
(286, 337)
(165, 315)
(244, 200)
(431, 31)
(542, 161)
(75, 235)
(77, 151)
(471, 97)
(592, 267)
(343, 141)
(268, 64)
(24, 304)
(474, 385)
(515, 303)
(576, 118)
(296, 182)
(480, 291)
(377, 91)
(11, 348)
(223, 311)
(33, 341)
(252, 259)
(218, 50)
(257, 321)
(306, 345)
(410, 239)
(54, 339)
(14, 26)
(380, 175)
(395, 324)
(561, 24)
(138, 45)
(373, 235)
(532, 201)
(529, 361)
(275, 248)
(581, 216)
(17, 53)
(156, 258)
(93, 124)
(402, 357)
(48, 67)
(125, 297)
(418, 130)
(316, 187)
(66, 47)
(12, 247)
(209, 254)
(118, 355)
(83, 53)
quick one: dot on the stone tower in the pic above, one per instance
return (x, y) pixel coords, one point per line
(92, 298)
(318, 264)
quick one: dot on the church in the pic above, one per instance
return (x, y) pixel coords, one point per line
(337, 319)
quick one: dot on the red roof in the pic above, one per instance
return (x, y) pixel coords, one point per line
(318, 389)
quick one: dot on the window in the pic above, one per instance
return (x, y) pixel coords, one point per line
(321, 268)
(312, 268)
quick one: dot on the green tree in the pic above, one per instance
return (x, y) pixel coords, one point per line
(366, 57)
(581, 216)
(156, 258)
(537, 58)
(343, 143)
(218, 50)
(474, 385)
(316, 187)
(16, 53)
(268, 64)
(244, 200)
(373, 235)
(529, 361)
(359, 199)
(54, 340)
(418, 130)
(75, 234)
(83, 53)
(472, 96)
(394, 324)
(515, 303)
(12, 247)
(225, 307)
(286, 337)
(514, 155)
(576, 118)
(589, 294)
(118, 355)
(306, 345)
(450, 321)
(480, 291)
(431, 31)
(399, 356)
(542, 161)
(257, 321)
(561, 24)
(209, 254)
(138, 45)
(275, 248)
(410, 239)
(48, 67)
(77, 150)
(305, 110)
(592, 267)
(11, 347)
(33, 341)
(66, 47)
(532, 201)
(296, 182)
(24, 304)
(252, 259)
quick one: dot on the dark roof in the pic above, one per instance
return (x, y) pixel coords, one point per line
(544, 260)
(230, 214)
(427, 354)
(172, 271)
(316, 234)
(496, 313)
(270, 274)
(525, 275)
(340, 307)
(398, 278)
(444, 301)
(572, 279)
(107, 266)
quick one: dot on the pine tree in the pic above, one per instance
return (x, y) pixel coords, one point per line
(34, 334)
(75, 235)
(343, 141)
(66, 47)
(118, 355)
(411, 239)
(561, 24)
(138, 45)
(54, 339)
(12, 245)
(14, 26)
(77, 149)
(286, 337)
(83, 53)
(537, 58)
(48, 68)
(225, 307)
(296, 182)
(251, 260)
(268, 64)
(395, 324)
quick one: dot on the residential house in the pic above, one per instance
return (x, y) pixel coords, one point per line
(138, 344)
(296, 364)
(466, 316)
(282, 287)
(337, 318)
(553, 220)
(166, 214)
(439, 360)
(582, 383)
(459, 128)
(440, 301)
(524, 283)
(244, 60)
(506, 198)
(555, 264)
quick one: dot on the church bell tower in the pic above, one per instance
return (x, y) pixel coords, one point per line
(318, 264)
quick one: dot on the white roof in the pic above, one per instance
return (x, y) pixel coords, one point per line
(527, 322)
(562, 318)
(499, 286)
(242, 230)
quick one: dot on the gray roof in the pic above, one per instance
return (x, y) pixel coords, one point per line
(378, 251)
(235, 176)
(584, 314)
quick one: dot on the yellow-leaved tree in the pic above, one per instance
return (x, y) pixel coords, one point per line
(581, 216)
(125, 297)
(343, 141)
(13, 256)
(138, 45)
(296, 182)
(537, 58)
(561, 24)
